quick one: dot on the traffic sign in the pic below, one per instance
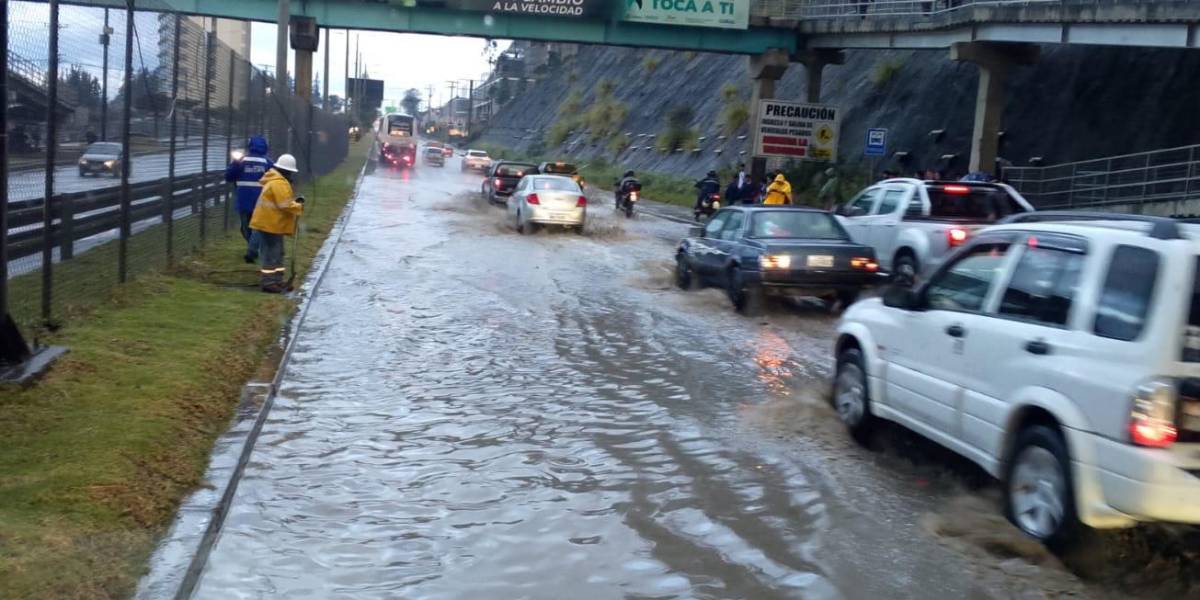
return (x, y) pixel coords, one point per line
(876, 142)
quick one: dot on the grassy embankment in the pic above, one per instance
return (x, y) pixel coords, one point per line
(97, 455)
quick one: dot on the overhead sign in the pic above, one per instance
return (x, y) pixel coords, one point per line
(547, 8)
(367, 91)
(799, 131)
(876, 142)
(726, 14)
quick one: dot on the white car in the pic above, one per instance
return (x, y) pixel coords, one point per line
(547, 200)
(1062, 357)
(477, 160)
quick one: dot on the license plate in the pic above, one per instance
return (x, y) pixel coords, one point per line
(820, 261)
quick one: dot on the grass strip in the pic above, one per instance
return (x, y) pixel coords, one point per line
(98, 454)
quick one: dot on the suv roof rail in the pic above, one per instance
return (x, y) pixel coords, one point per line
(1162, 228)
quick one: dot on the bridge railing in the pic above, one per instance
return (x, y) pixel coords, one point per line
(841, 9)
(1129, 182)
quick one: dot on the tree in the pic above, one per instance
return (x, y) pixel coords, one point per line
(82, 87)
(411, 101)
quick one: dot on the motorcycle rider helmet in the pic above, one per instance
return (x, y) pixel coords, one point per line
(628, 174)
(712, 174)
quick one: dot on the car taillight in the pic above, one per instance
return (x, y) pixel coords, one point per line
(532, 199)
(1152, 417)
(581, 202)
(955, 236)
(633, 196)
(956, 189)
(497, 182)
(862, 262)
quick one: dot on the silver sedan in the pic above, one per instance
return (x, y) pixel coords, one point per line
(547, 200)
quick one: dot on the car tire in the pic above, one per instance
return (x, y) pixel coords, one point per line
(82, 173)
(1039, 491)
(747, 300)
(685, 277)
(521, 229)
(905, 270)
(851, 397)
(846, 298)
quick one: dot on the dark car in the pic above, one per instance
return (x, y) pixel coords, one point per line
(101, 158)
(561, 168)
(503, 178)
(755, 250)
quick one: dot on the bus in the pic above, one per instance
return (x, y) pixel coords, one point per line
(396, 141)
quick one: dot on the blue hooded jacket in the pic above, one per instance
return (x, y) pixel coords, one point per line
(246, 171)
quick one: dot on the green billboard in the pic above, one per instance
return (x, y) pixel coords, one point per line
(726, 14)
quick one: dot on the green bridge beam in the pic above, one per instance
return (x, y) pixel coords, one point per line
(347, 14)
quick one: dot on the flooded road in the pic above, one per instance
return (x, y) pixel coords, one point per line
(471, 413)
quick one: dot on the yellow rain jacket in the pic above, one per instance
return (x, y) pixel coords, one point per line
(779, 192)
(277, 209)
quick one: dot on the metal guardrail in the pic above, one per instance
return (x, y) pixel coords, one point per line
(840, 9)
(80, 215)
(1170, 175)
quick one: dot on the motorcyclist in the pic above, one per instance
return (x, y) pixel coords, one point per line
(705, 189)
(625, 185)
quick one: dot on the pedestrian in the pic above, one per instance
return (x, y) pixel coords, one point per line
(827, 196)
(746, 192)
(274, 217)
(779, 192)
(245, 172)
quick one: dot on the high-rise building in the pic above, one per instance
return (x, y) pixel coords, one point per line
(231, 37)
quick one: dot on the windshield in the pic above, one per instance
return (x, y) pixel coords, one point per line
(477, 153)
(563, 168)
(1191, 335)
(556, 184)
(513, 169)
(434, 151)
(400, 125)
(795, 224)
(976, 203)
(104, 148)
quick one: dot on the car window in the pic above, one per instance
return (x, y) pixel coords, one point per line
(733, 226)
(965, 201)
(1191, 334)
(512, 169)
(103, 148)
(1125, 297)
(964, 285)
(718, 221)
(1042, 286)
(862, 204)
(890, 202)
(476, 153)
(796, 224)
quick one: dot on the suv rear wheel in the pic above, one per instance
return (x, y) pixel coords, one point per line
(851, 396)
(1039, 496)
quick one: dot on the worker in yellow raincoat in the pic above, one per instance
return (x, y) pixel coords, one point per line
(274, 217)
(779, 192)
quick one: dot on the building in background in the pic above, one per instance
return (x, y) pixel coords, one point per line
(231, 36)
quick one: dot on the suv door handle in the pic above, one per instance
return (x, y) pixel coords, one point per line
(956, 331)
(1037, 347)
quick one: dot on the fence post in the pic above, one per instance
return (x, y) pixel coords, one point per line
(1187, 180)
(1107, 181)
(208, 60)
(105, 38)
(4, 163)
(248, 103)
(51, 141)
(168, 197)
(229, 136)
(126, 117)
(1145, 182)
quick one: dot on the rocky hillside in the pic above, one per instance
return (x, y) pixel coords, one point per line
(1077, 102)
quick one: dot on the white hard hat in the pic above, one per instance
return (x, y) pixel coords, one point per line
(287, 162)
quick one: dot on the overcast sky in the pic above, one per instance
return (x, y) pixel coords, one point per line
(401, 60)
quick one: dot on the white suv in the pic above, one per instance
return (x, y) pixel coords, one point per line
(1060, 352)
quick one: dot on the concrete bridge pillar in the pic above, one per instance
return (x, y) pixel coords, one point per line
(765, 69)
(995, 61)
(814, 62)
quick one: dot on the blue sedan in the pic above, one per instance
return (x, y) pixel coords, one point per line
(755, 250)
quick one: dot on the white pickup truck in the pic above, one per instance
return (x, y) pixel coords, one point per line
(912, 224)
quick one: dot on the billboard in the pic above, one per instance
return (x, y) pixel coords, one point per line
(725, 14)
(540, 8)
(797, 131)
(370, 93)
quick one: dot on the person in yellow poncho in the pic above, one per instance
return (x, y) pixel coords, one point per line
(779, 192)
(275, 216)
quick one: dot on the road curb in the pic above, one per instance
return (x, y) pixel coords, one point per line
(180, 557)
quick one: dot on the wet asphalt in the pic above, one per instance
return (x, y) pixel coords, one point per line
(471, 413)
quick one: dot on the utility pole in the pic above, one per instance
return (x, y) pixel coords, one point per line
(325, 72)
(104, 39)
(357, 80)
(281, 82)
(346, 77)
(470, 107)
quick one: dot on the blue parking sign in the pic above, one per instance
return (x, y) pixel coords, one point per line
(876, 142)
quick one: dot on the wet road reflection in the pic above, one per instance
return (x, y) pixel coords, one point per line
(475, 414)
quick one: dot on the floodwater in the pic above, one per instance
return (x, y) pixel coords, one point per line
(471, 413)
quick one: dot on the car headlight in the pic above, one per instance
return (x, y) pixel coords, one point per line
(237, 155)
(775, 261)
(82, 162)
(109, 163)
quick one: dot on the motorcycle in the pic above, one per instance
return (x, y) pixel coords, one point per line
(710, 204)
(626, 201)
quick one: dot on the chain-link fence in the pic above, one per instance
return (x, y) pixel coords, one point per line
(119, 127)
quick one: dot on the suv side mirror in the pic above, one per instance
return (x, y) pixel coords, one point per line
(901, 297)
(696, 231)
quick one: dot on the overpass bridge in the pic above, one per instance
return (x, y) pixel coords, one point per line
(996, 35)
